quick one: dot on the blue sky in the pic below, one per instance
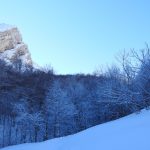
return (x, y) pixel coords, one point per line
(78, 35)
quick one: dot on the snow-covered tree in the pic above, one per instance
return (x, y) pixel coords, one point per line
(59, 109)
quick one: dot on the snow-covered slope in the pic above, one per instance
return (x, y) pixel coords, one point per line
(128, 133)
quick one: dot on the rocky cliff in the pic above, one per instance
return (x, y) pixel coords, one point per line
(12, 48)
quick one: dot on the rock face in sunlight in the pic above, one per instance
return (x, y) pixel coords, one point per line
(12, 48)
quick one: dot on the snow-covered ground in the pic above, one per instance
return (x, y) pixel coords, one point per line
(128, 133)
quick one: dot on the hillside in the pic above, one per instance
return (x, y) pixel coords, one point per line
(38, 105)
(128, 133)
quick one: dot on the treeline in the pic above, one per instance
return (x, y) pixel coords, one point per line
(36, 105)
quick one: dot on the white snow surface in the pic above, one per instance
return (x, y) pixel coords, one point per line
(7, 55)
(128, 133)
(5, 27)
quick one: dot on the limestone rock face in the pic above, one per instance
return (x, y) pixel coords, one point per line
(12, 47)
(9, 39)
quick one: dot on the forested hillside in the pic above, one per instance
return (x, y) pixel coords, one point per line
(129, 132)
(36, 104)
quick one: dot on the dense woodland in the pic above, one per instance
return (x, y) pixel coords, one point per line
(37, 104)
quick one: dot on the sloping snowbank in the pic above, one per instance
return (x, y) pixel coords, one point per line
(128, 133)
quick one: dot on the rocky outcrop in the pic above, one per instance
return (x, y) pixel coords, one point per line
(12, 48)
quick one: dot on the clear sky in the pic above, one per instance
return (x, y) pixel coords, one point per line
(77, 36)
